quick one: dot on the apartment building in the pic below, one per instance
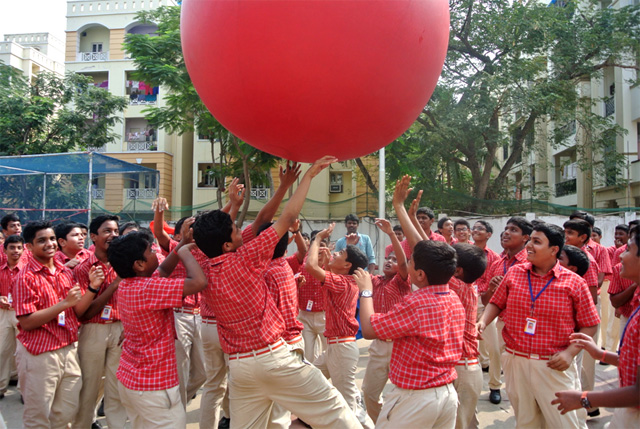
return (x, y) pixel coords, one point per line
(33, 53)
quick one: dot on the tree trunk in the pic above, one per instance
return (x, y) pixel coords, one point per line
(367, 176)
(219, 174)
(247, 182)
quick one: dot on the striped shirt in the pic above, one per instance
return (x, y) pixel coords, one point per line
(81, 274)
(341, 298)
(388, 292)
(468, 294)
(284, 291)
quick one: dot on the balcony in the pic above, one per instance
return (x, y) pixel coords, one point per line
(142, 146)
(142, 99)
(100, 149)
(609, 106)
(93, 56)
(568, 187)
(140, 193)
(260, 194)
(97, 194)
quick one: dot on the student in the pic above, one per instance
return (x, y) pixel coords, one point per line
(544, 304)
(462, 231)
(44, 296)
(147, 374)
(250, 327)
(362, 241)
(388, 290)
(340, 360)
(71, 249)
(427, 333)
(14, 247)
(10, 226)
(422, 218)
(471, 264)
(445, 228)
(598, 251)
(98, 348)
(397, 230)
(626, 399)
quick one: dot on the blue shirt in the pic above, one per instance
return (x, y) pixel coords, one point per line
(364, 244)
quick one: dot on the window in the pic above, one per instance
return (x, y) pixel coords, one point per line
(207, 177)
(96, 47)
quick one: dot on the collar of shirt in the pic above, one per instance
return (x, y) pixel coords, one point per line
(21, 263)
(220, 259)
(436, 289)
(34, 265)
(556, 271)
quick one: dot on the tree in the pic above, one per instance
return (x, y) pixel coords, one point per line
(50, 114)
(510, 67)
(158, 60)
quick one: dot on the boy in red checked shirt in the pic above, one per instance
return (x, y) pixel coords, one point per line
(427, 332)
(250, 326)
(472, 263)
(147, 375)
(44, 298)
(388, 290)
(545, 303)
(626, 399)
(340, 360)
(71, 249)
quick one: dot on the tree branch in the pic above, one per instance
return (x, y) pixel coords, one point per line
(367, 176)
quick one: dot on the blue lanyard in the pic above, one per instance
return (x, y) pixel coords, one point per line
(512, 264)
(533, 299)
(624, 331)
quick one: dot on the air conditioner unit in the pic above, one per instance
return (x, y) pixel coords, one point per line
(84, 34)
(334, 189)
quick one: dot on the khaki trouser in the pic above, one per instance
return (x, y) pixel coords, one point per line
(8, 332)
(214, 391)
(189, 355)
(588, 367)
(609, 323)
(313, 333)
(281, 376)
(468, 386)
(281, 417)
(50, 384)
(99, 355)
(376, 376)
(428, 408)
(531, 387)
(489, 348)
(625, 418)
(154, 408)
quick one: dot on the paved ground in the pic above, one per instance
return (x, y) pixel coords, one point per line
(490, 415)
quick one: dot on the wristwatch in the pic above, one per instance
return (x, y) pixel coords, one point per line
(367, 293)
(584, 401)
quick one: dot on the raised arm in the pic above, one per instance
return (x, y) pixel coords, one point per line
(399, 197)
(363, 280)
(236, 198)
(158, 206)
(169, 264)
(313, 266)
(401, 258)
(300, 243)
(195, 281)
(413, 216)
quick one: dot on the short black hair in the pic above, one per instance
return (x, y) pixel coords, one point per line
(63, 229)
(177, 229)
(461, 222)
(632, 223)
(125, 250)
(525, 226)
(305, 235)
(211, 230)
(131, 224)
(442, 221)
(82, 225)
(486, 225)
(427, 211)
(351, 217)
(281, 246)
(97, 222)
(398, 228)
(13, 239)
(581, 214)
(357, 258)
(11, 217)
(472, 260)
(578, 258)
(554, 234)
(580, 226)
(622, 227)
(633, 232)
(29, 232)
(597, 230)
(437, 259)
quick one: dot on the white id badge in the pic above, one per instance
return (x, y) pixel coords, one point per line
(106, 313)
(309, 305)
(10, 299)
(530, 326)
(61, 319)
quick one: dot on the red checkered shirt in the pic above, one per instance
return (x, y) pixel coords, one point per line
(180, 272)
(36, 288)
(502, 266)
(80, 256)
(407, 250)
(468, 294)
(388, 292)
(310, 294)
(248, 318)
(427, 329)
(3, 255)
(284, 291)
(591, 276)
(81, 274)
(619, 284)
(148, 360)
(341, 299)
(629, 358)
(295, 265)
(483, 282)
(564, 306)
(8, 276)
(600, 254)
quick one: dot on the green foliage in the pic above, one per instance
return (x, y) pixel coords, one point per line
(49, 114)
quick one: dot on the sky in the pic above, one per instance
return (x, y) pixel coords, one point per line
(33, 16)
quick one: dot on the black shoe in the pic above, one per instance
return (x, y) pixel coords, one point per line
(303, 423)
(101, 409)
(1, 395)
(13, 382)
(485, 369)
(494, 396)
(224, 423)
(594, 413)
(21, 400)
(96, 425)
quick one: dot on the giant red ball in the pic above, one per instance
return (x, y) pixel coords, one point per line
(304, 78)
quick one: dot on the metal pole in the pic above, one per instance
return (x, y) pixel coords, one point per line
(381, 203)
(44, 196)
(89, 185)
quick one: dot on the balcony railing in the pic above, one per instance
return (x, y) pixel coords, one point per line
(142, 99)
(568, 187)
(609, 106)
(142, 146)
(100, 149)
(93, 56)
(569, 128)
(97, 194)
(260, 193)
(140, 193)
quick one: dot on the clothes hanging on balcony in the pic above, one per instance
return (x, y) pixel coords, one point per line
(104, 84)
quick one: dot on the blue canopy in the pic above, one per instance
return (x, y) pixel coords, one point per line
(68, 163)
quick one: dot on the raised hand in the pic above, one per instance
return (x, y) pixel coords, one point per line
(320, 165)
(384, 225)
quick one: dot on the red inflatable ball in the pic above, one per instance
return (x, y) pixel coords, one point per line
(305, 78)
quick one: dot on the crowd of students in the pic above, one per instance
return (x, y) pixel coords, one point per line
(146, 319)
